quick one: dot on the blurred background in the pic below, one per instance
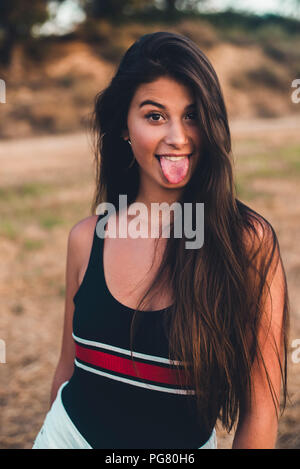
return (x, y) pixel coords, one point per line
(54, 57)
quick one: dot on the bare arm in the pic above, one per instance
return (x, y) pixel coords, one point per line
(79, 245)
(65, 365)
(257, 427)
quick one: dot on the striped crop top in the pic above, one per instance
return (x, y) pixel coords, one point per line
(113, 402)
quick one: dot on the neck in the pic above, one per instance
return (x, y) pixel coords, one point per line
(149, 194)
(158, 197)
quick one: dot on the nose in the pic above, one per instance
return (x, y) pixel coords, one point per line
(176, 135)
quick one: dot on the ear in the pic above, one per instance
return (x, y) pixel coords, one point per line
(125, 134)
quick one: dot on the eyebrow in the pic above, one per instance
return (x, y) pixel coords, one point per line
(161, 106)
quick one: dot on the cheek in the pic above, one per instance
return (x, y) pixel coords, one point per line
(145, 141)
(197, 137)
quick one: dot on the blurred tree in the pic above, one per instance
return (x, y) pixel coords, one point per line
(296, 4)
(112, 9)
(17, 17)
(172, 6)
(118, 9)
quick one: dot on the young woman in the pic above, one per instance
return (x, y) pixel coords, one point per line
(160, 341)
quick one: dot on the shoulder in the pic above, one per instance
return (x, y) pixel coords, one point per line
(265, 270)
(258, 233)
(260, 244)
(263, 251)
(83, 230)
(81, 237)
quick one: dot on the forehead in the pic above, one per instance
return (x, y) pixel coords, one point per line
(163, 90)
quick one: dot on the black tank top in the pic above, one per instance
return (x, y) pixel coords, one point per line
(113, 402)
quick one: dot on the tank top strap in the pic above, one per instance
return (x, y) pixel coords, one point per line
(95, 261)
(94, 273)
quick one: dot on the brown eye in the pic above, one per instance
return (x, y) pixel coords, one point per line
(194, 114)
(152, 114)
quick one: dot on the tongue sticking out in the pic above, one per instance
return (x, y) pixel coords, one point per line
(174, 171)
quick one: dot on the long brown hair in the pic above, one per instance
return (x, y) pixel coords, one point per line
(219, 290)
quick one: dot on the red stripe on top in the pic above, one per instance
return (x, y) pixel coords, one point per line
(125, 366)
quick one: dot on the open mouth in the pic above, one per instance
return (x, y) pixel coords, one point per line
(174, 168)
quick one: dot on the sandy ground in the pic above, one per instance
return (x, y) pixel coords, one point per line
(33, 255)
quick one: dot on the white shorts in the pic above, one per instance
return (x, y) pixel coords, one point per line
(212, 442)
(59, 432)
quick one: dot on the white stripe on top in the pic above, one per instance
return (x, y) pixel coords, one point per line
(131, 381)
(126, 352)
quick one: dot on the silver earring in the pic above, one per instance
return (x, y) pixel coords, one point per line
(129, 141)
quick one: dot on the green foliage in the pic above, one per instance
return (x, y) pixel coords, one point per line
(114, 9)
(8, 229)
(17, 18)
(33, 244)
(15, 15)
(48, 221)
